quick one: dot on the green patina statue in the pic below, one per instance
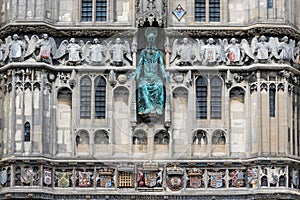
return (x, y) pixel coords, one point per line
(148, 73)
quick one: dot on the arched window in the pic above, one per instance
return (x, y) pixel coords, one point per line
(162, 137)
(219, 138)
(85, 98)
(200, 138)
(101, 137)
(272, 93)
(100, 98)
(27, 132)
(139, 138)
(201, 98)
(216, 98)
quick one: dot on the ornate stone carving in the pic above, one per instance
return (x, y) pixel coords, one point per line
(46, 46)
(151, 12)
(119, 53)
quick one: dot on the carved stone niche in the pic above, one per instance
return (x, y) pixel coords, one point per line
(151, 13)
(238, 94)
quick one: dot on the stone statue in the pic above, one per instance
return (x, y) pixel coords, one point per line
(2, 52)
(286, 49)
(261, 49)
(46, 46)
(211, 53)
(150, 84)
(233, 53)
(296, 58)
(16, 49)
(96, 52)
(73, 49)
(118, 52)
(184, 53)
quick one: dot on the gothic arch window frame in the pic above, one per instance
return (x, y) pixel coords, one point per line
(141, 135)
(161, 139)
(94, 11)
(78, 136)
(101, 95)
(216, 100)
(202, 98)
(238, 98)
(85, 98)
(195, 136)
(99, 131)
(219, 131)
(207, 11)
(272, 100)
(27, 131)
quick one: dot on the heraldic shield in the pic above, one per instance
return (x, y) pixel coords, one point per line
(175, 180)
(3, 177)
(216, 180)
(47, 177)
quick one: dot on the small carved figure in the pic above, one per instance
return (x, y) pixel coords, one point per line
(296, 57)
(46, 45)
(286, 49)
(261, 49)
(73, 49)
(2, 52)
(118, 53)
(16, 49)
(96, 52)
(233, 53)
(211, 53)
(150, 86)
(183, 53)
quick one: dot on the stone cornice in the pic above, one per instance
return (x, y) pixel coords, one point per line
(108, 31)
(236, 31)
(65, 31)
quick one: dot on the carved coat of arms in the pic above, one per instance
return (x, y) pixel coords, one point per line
(252, 176)
(295, 178)
(106, 178)
(175, 180)
(216, 179)
(84, 179)
(47, 177)
(27, 175)
(195, 176)
(237, 178)
(63, 179)
(150, 178)
(3, 176)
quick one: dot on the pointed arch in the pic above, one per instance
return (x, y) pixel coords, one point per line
(100, 98)
(85, 97)
(216, 98)
(201, 98)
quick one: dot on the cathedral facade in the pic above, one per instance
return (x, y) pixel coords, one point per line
(149, 99)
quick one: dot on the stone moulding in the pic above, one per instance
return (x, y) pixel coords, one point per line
(207, 31)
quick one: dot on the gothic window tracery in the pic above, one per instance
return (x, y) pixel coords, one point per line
(216, 98)
(85, 98)
(27, 132)
(201, 98)
(100, 98)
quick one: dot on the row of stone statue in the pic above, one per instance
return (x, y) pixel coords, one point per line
(70, 52)
(189, 52)
(117, 52)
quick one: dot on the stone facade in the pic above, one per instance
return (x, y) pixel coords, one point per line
(69, 121)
